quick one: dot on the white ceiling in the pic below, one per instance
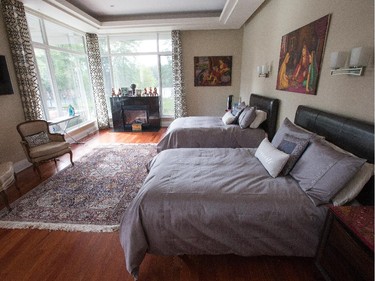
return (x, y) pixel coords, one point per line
(113, 16)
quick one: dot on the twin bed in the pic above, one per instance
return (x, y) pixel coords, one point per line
(223, 201)
(210, 131)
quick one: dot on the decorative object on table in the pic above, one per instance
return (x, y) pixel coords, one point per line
(145, 92)
(113, 92)
(301, 56)
(119, 93)
(133, 86)
(155, 92)
(71, 110)
(213, 71)
(5, 82)
(91, 196)
(139, 92)
(124, 91)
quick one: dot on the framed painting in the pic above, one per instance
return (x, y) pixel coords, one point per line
(301, 54)
(5, 83)
(213, 71)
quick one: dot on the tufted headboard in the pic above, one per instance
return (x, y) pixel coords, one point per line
(350, 134)
(271, 106)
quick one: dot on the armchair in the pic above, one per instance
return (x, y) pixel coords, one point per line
(40, 145)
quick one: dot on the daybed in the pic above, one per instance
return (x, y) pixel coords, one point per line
(211, 131)
(225, 201)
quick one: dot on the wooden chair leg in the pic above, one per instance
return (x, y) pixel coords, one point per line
(71, 158)
(16, 184)
(5, 200)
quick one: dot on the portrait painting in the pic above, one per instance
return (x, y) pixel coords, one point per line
(301, 54)
(213, 71)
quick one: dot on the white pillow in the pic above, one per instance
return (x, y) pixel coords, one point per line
(261, 116)
(228, 118)
(354, 186)
(271, 158)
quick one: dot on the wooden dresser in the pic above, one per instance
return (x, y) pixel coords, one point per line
(346, 249)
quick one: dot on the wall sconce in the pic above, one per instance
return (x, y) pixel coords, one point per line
(263, 70)
(359, 58)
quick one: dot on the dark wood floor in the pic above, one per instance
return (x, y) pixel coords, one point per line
(57, 255)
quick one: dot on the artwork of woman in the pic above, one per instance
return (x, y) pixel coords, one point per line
(309, 83)
(300, 72)
(283, 77)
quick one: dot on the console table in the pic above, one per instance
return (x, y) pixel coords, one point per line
(346, 249)
(147, 107)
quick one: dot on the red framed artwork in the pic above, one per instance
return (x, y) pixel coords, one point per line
(301, 54)
(213, 71)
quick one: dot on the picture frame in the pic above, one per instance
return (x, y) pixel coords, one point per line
(213, 71)
(5, 82)
(301, 55)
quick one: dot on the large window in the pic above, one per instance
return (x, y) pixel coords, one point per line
(141, 59)
(63, 71)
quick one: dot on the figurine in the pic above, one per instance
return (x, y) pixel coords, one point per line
(119, 92)
(145, 91)
(155, 92)
(113, 92)
(150, 91)
(133, 86)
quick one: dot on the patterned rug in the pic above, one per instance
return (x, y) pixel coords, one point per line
(91, 196)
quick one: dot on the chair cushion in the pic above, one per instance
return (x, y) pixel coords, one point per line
(6, 175)
(37, 139)
(48, 149)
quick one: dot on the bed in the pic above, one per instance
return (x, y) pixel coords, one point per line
(223, 201)
(210, 131)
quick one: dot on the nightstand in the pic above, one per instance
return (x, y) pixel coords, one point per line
(346, 248)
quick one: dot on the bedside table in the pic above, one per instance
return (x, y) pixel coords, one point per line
(346, 248)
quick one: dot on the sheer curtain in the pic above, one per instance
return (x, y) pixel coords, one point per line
(96, 73)
(23, 59)
(180, 107)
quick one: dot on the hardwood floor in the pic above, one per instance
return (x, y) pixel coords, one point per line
(57, 255)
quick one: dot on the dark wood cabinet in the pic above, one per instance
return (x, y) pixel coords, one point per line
(346, 249)
(140, 110)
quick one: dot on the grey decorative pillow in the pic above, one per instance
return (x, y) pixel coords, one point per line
(287, 127)
(246, 117)
(322, 171)
(37, 139)
(237, 110)
(294, 147)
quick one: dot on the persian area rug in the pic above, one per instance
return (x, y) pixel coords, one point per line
(91, 196)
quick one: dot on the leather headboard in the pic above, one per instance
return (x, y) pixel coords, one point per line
(350, 134)
(271, 106)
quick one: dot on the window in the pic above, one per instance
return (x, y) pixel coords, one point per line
(141, 59)
(63, 70)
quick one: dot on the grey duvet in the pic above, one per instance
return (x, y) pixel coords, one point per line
(218, 201)
(208, 131)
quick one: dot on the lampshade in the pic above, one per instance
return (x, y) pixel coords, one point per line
(338, 59)
(359, 56)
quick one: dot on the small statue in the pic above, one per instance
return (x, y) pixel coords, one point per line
(155, 92)
(150, 91)
(145, 91)
(113, 92)
(119, 92)
(133, 86)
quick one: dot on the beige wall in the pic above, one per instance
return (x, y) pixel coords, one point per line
(210, 100)
(352, 25)
(10, 109)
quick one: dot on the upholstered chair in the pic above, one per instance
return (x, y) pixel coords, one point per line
(7, 178)
(40, 145)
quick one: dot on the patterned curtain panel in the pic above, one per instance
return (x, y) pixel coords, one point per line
(180, 107)
(95, 65)
(23, 59)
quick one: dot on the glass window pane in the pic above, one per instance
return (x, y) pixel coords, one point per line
(46, 88)
(139, 70)
(65, 38)
(34, 24)
(165, 42)
(73, 85)
(167, 101)
(107, 81)
(133, 43)
(103, 45)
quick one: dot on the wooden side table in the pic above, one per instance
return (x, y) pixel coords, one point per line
(346, 249)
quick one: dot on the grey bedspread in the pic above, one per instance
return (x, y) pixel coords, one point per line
(208, 131)
(218, 201)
